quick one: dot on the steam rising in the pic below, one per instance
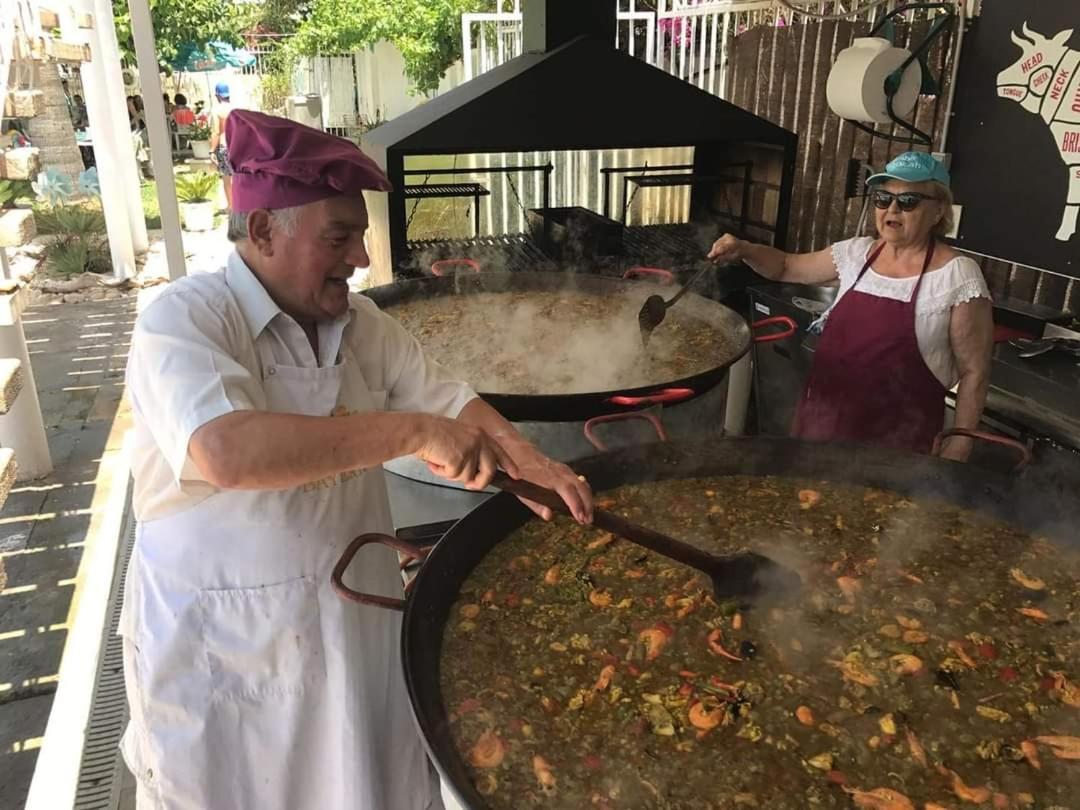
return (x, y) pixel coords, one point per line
(565, 342)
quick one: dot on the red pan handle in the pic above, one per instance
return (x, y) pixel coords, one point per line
(1021, 449)
(666, 396)
(790, 328)
(595, 441)
(345, 592)
(438, 268)
(659, 273)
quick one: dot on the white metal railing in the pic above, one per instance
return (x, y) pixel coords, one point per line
(690, 39)
(489, 39)
(627, 22)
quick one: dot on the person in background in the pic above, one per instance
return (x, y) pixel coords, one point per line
(168, 104)
(182, 114)
(136, 113)
(12, 135)
(912, 319)
(219, 145)
(79, 117)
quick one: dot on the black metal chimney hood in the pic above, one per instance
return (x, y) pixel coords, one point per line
(570, 90)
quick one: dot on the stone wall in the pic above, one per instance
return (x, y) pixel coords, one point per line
(52, 133)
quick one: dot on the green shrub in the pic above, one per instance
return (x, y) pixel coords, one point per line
(13, 190)
(70, 254)
(275, 89)
(196, 187)
(67, 220)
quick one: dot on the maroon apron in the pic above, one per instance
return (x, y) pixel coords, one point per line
(869, 382)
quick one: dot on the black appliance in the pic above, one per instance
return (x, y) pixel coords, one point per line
(781, 368)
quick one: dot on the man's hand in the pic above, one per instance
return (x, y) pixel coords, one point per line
(461, 452)
(530, 464)
(534, 466)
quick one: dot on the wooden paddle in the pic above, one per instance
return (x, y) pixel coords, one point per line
(746, 576)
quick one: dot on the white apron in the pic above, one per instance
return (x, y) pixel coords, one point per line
(250, 683)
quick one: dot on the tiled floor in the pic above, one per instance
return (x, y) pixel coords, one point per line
(78, 353)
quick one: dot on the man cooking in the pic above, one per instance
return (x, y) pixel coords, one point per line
(265, 399)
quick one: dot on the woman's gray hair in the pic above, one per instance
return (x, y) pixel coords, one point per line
(284, 219)
(947, 222)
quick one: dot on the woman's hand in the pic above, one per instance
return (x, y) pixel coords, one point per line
(728, 249)
(956, 448)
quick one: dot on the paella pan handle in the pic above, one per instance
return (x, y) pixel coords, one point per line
(790, 328)
(595, 441)
(413, 553)
(441, 267)
(666, 396)
(658, 273)
(1021, 449)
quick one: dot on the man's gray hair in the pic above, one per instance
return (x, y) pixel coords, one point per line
(283, 218)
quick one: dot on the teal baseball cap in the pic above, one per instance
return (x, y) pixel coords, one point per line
(913, 167)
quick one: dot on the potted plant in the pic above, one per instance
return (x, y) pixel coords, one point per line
(199, 138)
(196, 192)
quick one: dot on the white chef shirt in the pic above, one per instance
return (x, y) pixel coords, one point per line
(195, 356)
(942, 289)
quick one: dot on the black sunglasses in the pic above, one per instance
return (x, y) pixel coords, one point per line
(906, 200)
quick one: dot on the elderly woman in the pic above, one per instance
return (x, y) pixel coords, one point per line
(912, 318)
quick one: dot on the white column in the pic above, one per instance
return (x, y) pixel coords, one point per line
(109, 148)
(127, 165)
(22, 428)
(142, 29)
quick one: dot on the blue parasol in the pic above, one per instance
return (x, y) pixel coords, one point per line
(212, 56)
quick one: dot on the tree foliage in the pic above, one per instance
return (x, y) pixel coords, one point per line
(179, 22)
(426, 32)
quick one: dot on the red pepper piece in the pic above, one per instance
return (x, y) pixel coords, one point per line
(468, 706)
(1008, 674)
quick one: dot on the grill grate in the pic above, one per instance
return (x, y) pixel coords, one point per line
(99, 783)
(434, 190)
(512, 252)
(675, 247)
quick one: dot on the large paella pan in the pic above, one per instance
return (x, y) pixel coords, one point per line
(566, 346)
(931, 660)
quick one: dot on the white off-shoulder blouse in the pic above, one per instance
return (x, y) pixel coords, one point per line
(954, 283)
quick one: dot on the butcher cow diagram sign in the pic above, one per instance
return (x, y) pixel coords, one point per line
(1045, 80)
(1016, 137)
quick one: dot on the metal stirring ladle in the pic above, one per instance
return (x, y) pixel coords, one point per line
(652, 312)
(747, 576)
